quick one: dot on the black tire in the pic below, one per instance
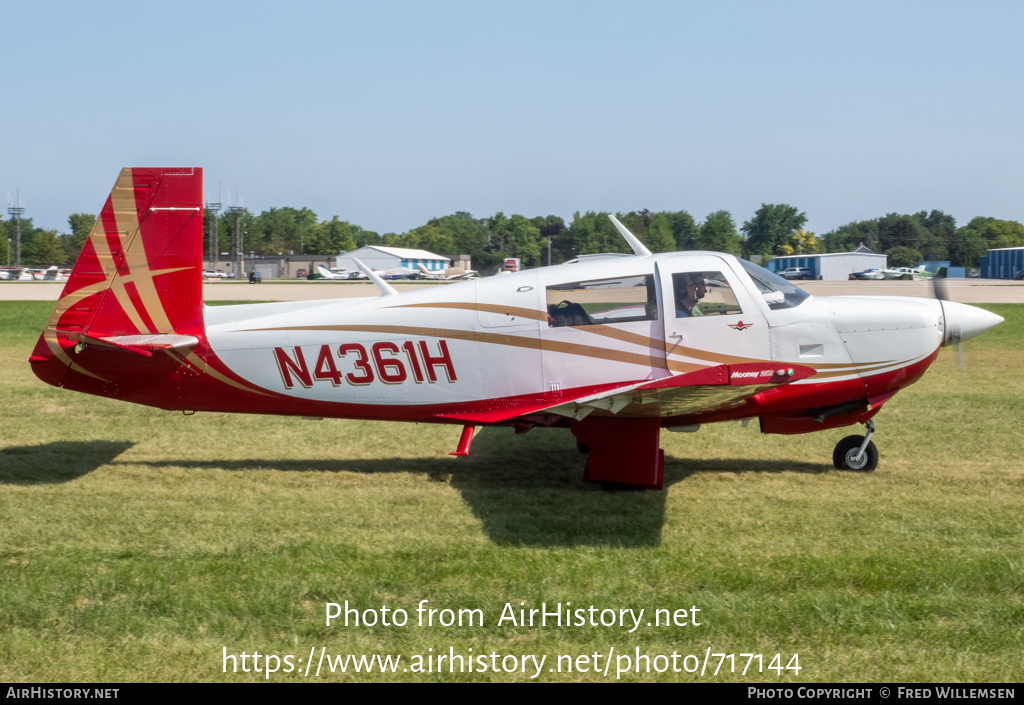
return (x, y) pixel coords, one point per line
(581, 448)
(846, 450)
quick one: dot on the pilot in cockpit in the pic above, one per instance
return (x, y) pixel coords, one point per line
(689, 289)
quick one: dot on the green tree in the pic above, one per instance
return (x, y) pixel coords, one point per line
(432, 239)
(552, 231)
(282, 230)
(899, 230)
(902, 256)
(592, 233)
(998, 233)
(847, 238)
(42, 248)
(718, 233)
(659, 234)
(685, 230)
(654, 230)
(801, 242)
(770, 226)
(81, 225)
(331, 237)
(525, 239)
(514, 236)
(967, 247)
(468, 236)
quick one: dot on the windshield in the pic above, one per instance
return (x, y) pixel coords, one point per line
(768, 283)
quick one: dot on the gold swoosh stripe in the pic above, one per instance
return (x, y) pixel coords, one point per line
(202, 367)
(859, 369)
(646, 341)
(129, 227)
(530, 313)
(126, 220)
(533, 314)
(495, 339)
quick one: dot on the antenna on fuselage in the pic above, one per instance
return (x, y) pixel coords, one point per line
(638, 247)
(385, 288)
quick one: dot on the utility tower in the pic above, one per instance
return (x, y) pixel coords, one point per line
(16, 213)
(236, 226)
(214, 209)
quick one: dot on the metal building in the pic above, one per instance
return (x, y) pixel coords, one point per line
(378, 257)
(837, 266)
(1003, 263)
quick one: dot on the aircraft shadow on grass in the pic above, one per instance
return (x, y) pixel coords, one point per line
(535, 497)
(54, 463)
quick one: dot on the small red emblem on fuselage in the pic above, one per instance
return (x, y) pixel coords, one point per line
(740, 326)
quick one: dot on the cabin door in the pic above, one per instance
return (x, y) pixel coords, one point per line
(710, 314)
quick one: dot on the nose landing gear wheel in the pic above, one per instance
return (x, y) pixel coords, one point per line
(847, 455)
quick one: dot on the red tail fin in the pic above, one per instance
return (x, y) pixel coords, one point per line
(140, 271)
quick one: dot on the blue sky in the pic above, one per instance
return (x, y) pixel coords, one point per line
(390, 113)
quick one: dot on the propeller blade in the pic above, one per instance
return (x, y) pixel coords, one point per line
(940, 292)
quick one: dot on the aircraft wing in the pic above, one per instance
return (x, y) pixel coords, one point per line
(695, 392)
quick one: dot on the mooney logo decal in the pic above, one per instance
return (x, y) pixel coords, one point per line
(390, 363)
(753, 375)
(740, 326)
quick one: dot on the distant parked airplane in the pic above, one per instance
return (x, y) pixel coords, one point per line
(449, 273)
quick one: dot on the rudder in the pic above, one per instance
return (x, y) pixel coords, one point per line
(140, 271)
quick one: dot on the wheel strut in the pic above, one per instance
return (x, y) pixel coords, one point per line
(870, 426)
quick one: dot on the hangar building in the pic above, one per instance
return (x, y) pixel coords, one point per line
(837, 266)
(1002, 263)
(378, 257)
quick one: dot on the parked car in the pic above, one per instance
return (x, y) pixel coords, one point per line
(213, 274)
(796, 273)
(301, 274)
(1019, 274)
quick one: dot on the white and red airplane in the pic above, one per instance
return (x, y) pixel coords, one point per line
(614, 348)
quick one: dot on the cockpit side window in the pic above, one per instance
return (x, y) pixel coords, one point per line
(778, 293)
(602, 301)
(703, 294)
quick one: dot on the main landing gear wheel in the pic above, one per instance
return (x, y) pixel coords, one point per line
(848, 456)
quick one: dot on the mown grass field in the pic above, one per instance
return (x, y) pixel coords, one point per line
(136, 544)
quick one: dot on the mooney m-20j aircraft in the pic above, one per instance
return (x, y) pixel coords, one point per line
(614, 347)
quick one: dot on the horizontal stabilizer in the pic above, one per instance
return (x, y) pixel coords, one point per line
(140, 344)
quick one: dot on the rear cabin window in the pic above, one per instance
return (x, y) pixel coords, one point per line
(703, 294)
(602, 301)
